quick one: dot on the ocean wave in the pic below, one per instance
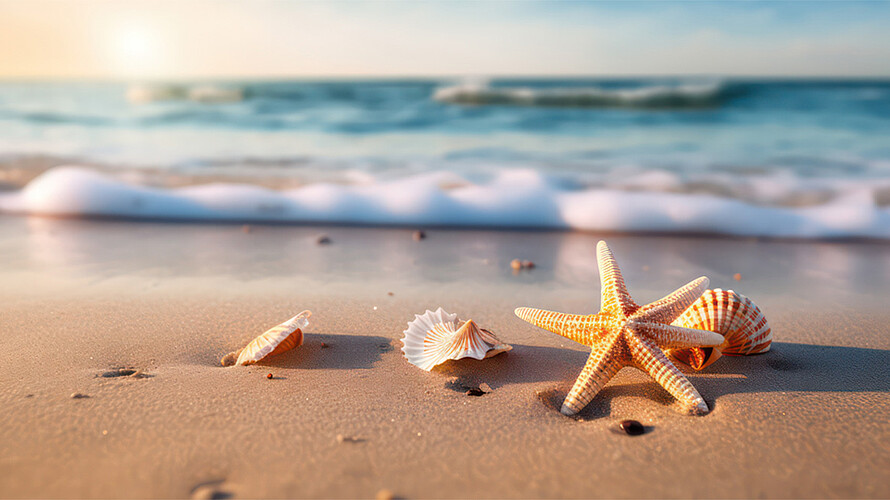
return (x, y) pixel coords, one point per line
(144, 94)
(702, 95)
(513, 199)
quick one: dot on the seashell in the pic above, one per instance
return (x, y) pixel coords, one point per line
(435, 337)
(276, 340)
(730, 314)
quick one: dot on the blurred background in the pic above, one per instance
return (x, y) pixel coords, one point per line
(780, 110)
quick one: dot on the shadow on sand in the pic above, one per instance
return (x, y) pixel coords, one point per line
(332, 352)
(786, 368)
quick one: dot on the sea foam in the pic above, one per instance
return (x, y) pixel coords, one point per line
(651, 96)
(513, 199)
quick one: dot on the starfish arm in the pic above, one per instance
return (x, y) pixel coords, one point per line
(615, 298)
(603, 363)
(675, 337)
(666, 310)
(652, 360)
(577, 327)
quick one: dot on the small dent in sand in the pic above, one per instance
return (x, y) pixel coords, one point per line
(120, 372)
(210, 491)
(349, 439)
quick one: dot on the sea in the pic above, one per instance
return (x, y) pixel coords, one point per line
(801, 158)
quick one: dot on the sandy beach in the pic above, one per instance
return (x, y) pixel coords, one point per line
(81, 299)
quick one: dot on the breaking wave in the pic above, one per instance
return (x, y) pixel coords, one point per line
(666, 96)
(512, 199)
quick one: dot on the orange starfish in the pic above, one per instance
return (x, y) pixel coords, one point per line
(625, 334)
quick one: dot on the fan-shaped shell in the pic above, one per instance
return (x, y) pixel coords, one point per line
(276, 340)
(730, 314)
(435, 337)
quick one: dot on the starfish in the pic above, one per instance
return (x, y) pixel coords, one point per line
(625, 334)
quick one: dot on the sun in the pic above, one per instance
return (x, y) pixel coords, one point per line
(135, 50)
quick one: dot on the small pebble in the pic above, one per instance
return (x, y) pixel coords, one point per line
(29, 395)
(390, 294)
(78, 395)
(632, 427)
(245, 229)
(324, 346)
(384, 494)
(418, 235)
(485, 387)
(229, 359)
(323, 240)
(528, 264)
(516, 264)
(269, 376)
(475, 391)
(348, 439)
(737, 276)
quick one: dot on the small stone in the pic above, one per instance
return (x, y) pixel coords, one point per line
(475, 391)
(632, 427)
(348, 439)
(269, 376)
(418, 235)
(384, 494)
(78, 395)
(516, 264)
(485, 387)
(246, 229)
(323, 240)
(737, 276)
(390, 294)
(528, 264)
(325, 346)
(29, 395)
(229, 359)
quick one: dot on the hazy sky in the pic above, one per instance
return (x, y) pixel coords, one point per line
(262, 38)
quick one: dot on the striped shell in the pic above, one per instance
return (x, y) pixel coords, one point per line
(436, 337)
(276, 340)
(730, 314)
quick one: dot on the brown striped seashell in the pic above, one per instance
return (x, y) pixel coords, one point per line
(730, 314)
(276, 340)
(435, 337)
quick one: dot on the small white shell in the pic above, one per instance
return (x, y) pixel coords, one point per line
(435, 337)
(276, 340)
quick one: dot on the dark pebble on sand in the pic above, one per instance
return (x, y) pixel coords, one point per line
(632, 427)
(475, 391)
(269, 376)
(78, 395)
(323, 240)
(325, 346)
(120, 372)
(418, 235)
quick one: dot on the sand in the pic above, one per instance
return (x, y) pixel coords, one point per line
(80, 299)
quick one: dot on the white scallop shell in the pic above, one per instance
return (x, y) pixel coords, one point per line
(276, 340)
(435, 337)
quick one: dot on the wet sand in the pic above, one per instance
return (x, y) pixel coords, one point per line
(80, 299)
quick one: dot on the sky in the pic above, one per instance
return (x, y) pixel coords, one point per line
(193, 39)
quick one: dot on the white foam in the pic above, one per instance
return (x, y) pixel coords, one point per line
(517, 198)
(654, 96)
